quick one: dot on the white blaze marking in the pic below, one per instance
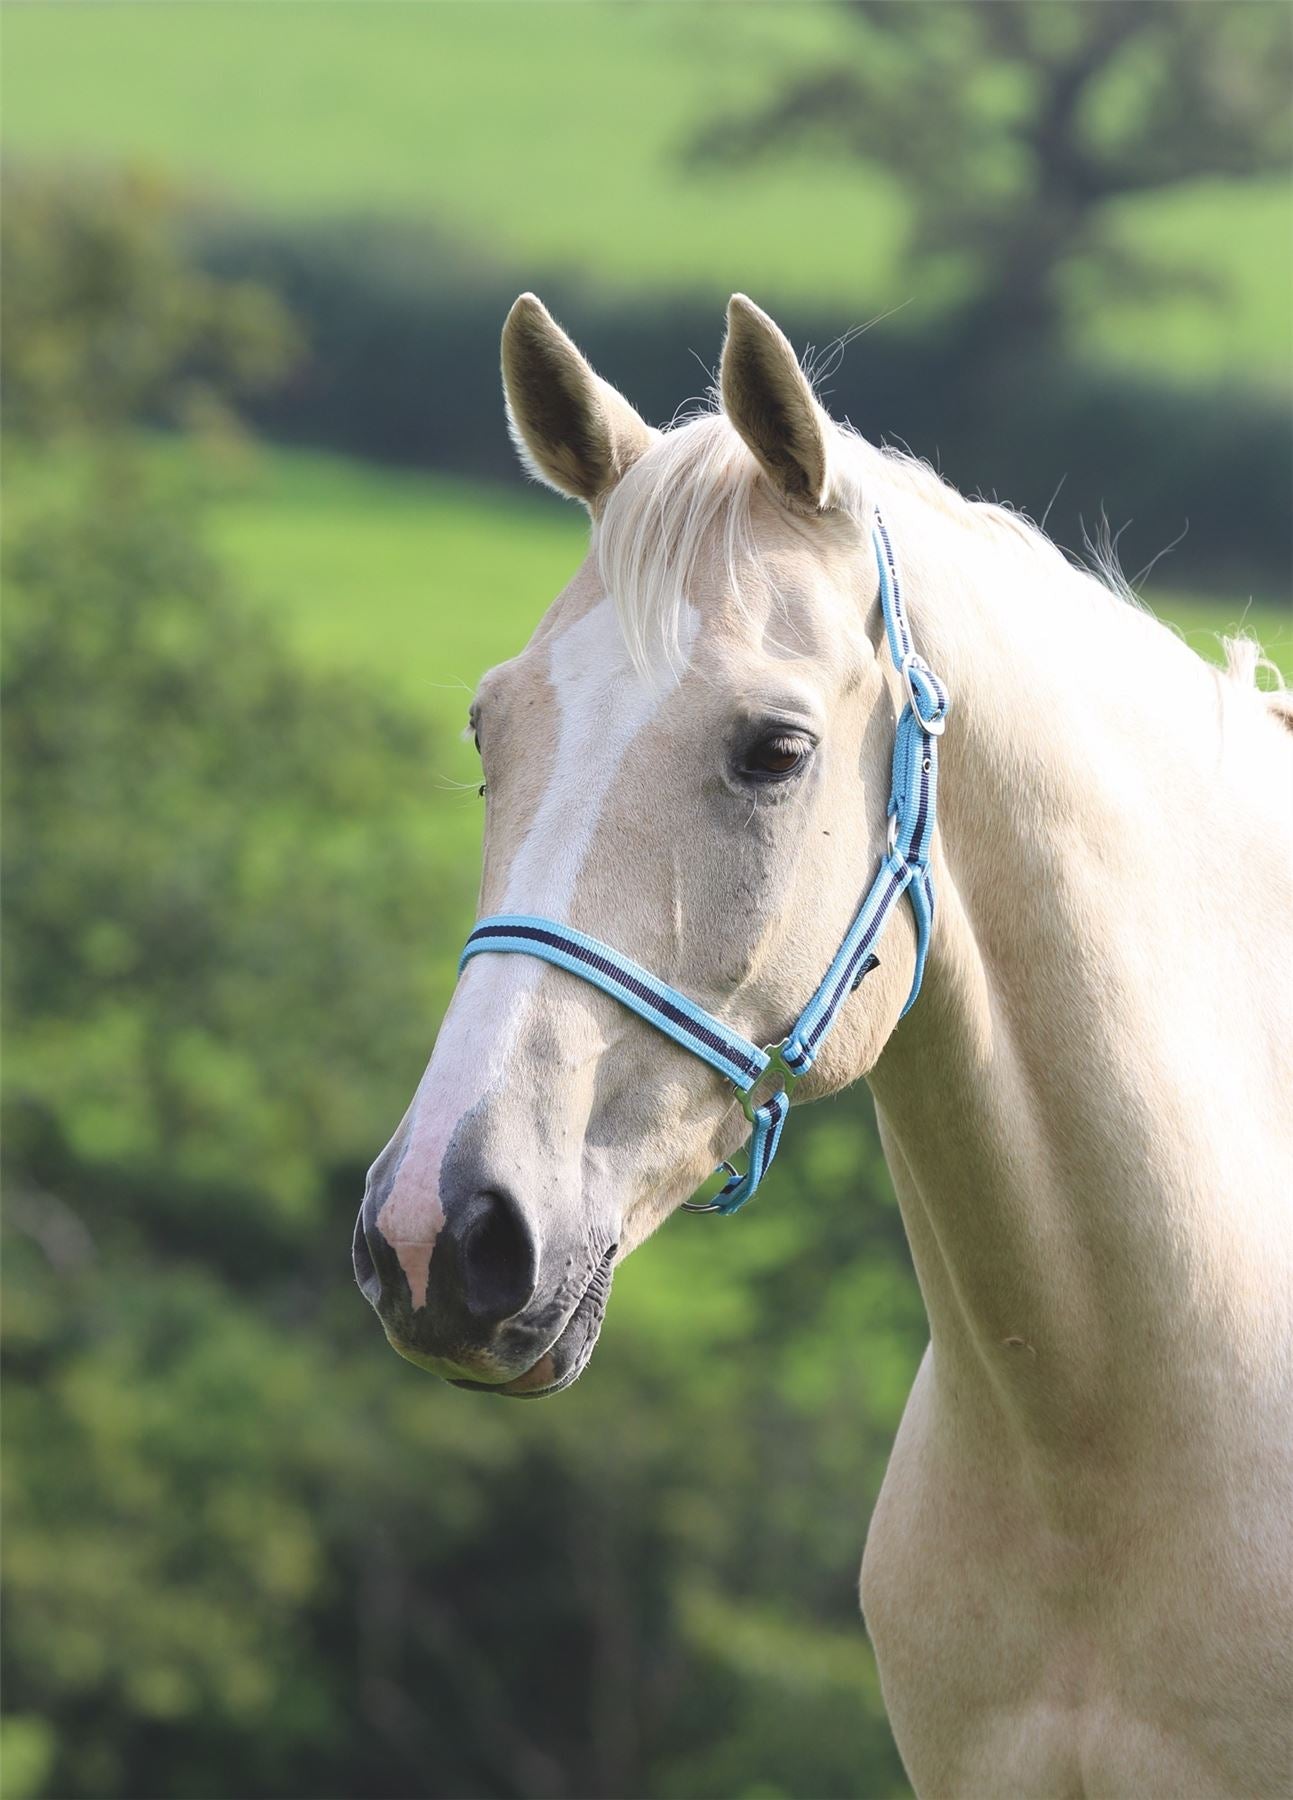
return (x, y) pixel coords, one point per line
(602, 705)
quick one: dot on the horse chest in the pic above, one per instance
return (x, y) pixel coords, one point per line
(1153, 1656)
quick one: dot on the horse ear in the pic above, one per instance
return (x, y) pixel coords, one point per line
(767, 397)
(571, 429)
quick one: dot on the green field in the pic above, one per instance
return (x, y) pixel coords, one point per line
(480, 117)
(423, 582)
(426, 581)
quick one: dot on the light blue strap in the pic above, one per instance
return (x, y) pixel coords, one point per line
(853, 962)
(912, 812)
(768, 1122)
(920, 891)
(661, 1006)
(626, 981)
(891, 606)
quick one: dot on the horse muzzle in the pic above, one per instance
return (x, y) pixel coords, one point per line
(468, 1306)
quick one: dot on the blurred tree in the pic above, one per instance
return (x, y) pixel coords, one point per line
(205, 846)
(104, 319)
(202, 839)
(1012, 124)
(248, 1552)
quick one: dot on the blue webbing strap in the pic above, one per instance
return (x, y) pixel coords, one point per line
(904, 870)
(643, 993)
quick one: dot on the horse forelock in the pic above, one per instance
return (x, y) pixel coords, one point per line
(688, 498)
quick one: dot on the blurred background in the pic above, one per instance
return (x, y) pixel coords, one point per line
(262, 534)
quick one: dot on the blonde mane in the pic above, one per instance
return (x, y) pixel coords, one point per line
(691, 495)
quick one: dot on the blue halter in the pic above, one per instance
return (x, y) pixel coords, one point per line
(905, 869)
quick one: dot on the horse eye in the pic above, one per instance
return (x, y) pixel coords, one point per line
(774, 758)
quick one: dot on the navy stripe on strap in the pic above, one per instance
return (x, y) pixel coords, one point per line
(652, 1000)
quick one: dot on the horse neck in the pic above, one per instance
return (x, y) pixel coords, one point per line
(1083, 1112)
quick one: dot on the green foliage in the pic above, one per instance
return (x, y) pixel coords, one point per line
(248, 1552)
(191, 823)
(26, 1752)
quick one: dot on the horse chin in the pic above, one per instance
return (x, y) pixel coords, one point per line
(566, 1359)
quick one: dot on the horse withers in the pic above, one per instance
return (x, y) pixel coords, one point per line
(1079, 1574)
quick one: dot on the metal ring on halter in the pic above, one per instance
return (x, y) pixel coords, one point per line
(938, 724)
(703, 1206)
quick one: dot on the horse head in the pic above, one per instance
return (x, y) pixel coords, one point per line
(690, 761)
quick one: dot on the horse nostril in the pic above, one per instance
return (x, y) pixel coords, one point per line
(499, 1261)
(365, 1272)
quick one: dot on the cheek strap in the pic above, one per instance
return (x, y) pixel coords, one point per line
(904, 870)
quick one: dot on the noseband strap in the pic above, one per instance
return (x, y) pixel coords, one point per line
(904, 870)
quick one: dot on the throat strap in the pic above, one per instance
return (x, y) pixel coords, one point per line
(904, 870)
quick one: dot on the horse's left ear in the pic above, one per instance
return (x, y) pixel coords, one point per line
(767, 397)
(572, 429)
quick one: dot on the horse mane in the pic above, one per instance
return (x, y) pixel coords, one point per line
(691, 495)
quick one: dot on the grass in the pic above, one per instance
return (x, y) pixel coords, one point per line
(548, 134)
(420, 583)
(427, 581)
(421, 580)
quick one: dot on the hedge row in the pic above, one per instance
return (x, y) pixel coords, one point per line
(403, 333)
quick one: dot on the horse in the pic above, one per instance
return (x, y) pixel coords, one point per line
(1078, 1577)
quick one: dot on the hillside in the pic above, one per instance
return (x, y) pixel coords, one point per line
(244, 103)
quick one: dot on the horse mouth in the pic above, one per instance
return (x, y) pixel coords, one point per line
(566, 1358)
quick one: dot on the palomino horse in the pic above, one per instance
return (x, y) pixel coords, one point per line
(1079, 1574)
